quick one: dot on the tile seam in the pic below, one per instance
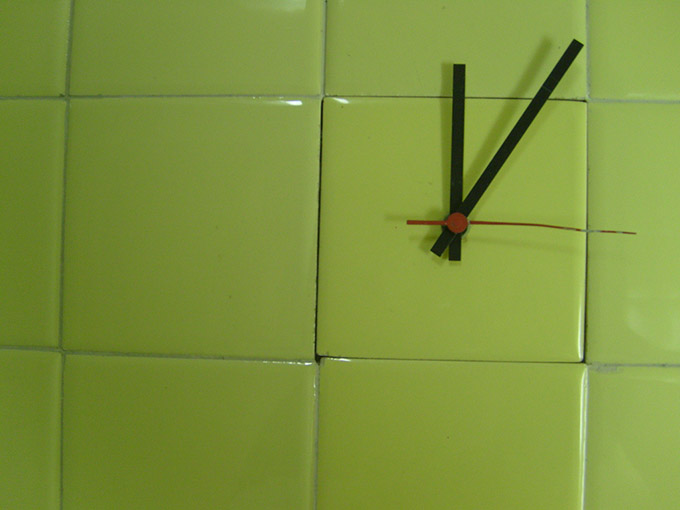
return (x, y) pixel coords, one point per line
(30, 348)
(309, 362)
(315, 460)
(586, 396)
(322, 96)
(584, 435)
(318, 359)
(33, 98)
(67, 115)
(432, 360)
(152, 355)
(587, 190)
(196, 96)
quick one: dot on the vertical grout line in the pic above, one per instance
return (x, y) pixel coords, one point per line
(586, 390)
(584, 435)
(324, 43)
(61, 433)
(324, 23)
(315, 480)
(67, 114)
(585, 276)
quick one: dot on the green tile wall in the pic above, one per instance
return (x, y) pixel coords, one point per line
(189, 202)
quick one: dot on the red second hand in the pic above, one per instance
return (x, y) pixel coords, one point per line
(479, 222)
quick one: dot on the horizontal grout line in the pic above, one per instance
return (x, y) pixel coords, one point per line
(279, 97)
(632, 101)
(33, 98)
(355, 358)
(112, 354)
(319, 96)
(336, 96)
(594, 365)
(160, 96)
(37, 348)
(606, 366)
(195, 96)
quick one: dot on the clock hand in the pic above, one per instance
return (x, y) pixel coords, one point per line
(586, 230)
(457, 136)
(512, 139)
(457, 223)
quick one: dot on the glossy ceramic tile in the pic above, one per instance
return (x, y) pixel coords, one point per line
(518, 292)
(633, 281)
(30, 387)
(144, 433)
(191, 226)
(199, 47)
(33, 45)
(418, 434)
(31, 195)
(633, 441)
(634, 48)
(406, 48)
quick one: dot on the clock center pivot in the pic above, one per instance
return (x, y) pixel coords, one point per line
(457, 223)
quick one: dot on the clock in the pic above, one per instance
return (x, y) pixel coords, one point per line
(517, 295)
(457, 220)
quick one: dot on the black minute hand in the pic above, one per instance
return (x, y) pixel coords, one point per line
(512, 139)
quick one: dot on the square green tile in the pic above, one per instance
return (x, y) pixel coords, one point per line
(198, 47)
(633, 281)
(406, 48)
(31, 197)
(634, 48)
(33, 46)
(191, 226)
(517, 294)
(431, 435)
(633, 440)
(145, 433)
(30, 404)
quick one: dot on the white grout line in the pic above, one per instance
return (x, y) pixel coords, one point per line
(315, 460)
(67, 113)
(30, 348)
(632, 101)
(324, 44)
(584, 437)
(32, 98)
(61, 431)
(323, 95)
(594, 365)
(162, 96)
(195, 96)
(432, 360)
(587, 162)
(318, 360)
(584, 425)
(612, 367)
(354, 96)
(112, 354)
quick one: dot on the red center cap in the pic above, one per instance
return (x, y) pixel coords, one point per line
(457, 223)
